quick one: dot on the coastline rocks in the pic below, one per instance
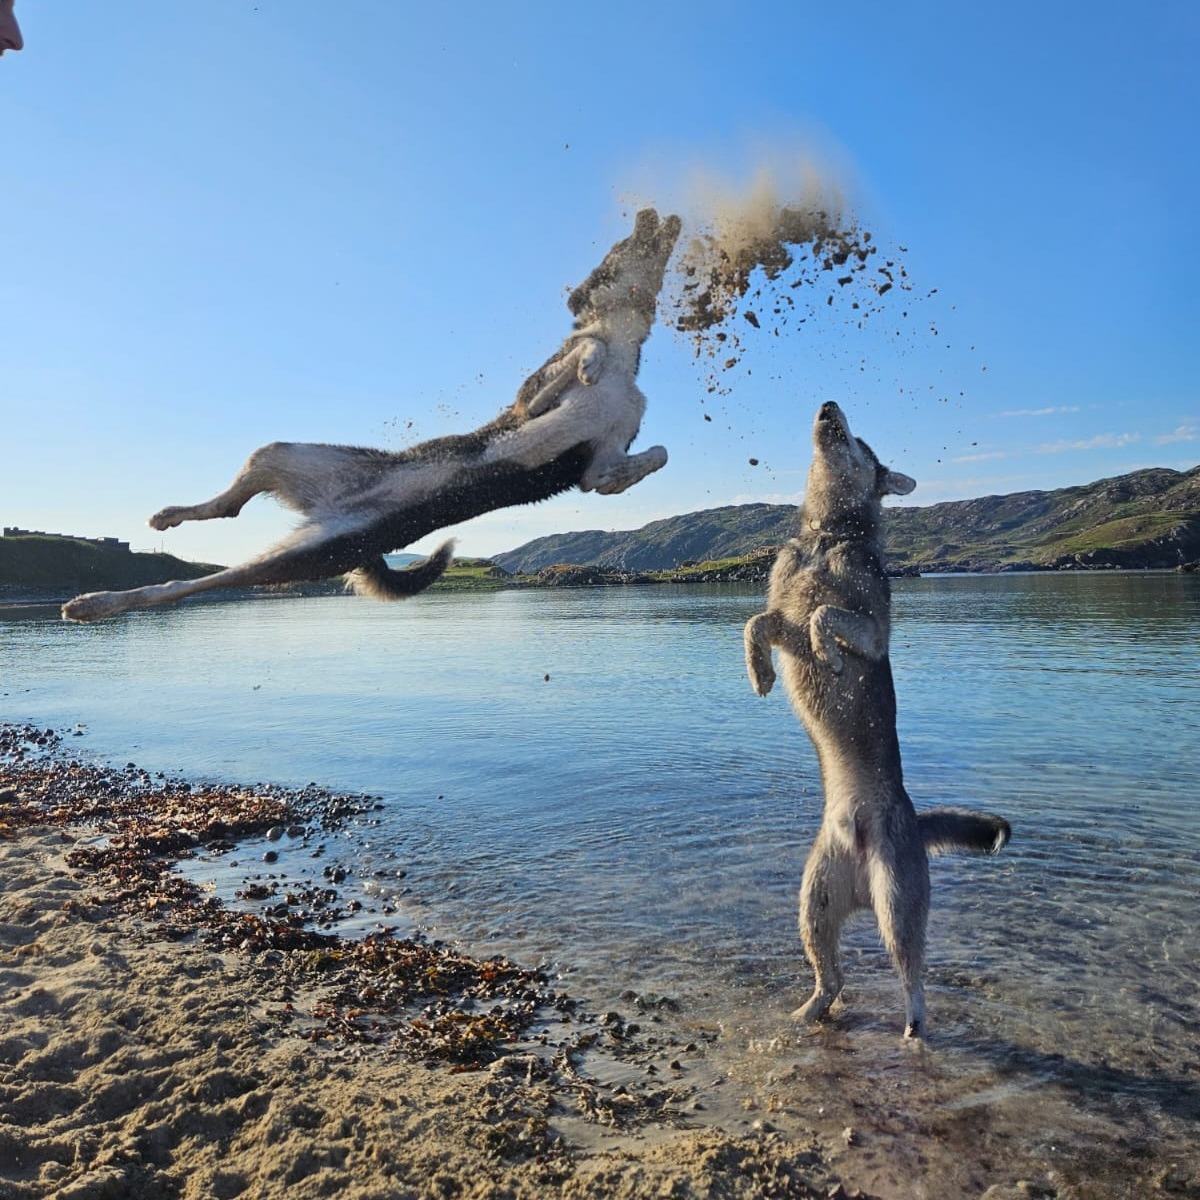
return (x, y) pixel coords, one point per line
(570, 575)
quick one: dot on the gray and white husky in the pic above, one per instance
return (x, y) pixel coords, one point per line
(829, 615)
(572, 424)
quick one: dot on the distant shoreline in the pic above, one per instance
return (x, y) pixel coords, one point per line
(589, 577)
(1143, 521)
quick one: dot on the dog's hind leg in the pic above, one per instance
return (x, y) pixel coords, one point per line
(92, 606)
(826, 900)
(289, 562)
(899, 885)
(279, 468)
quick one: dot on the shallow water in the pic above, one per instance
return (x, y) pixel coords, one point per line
(583, 779)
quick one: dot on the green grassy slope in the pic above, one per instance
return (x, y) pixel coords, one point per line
(43, 564)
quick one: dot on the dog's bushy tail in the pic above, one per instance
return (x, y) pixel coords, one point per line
(945, 830)
(381, 582)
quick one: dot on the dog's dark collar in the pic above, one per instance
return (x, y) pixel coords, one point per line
(857, 538)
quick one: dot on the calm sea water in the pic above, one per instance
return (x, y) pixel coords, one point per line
(584, 779)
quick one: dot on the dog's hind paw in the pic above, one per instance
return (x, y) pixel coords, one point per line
(168, 518)
(815, 1008)
(91, 606)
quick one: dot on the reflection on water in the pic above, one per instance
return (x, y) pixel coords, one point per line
(585, 779)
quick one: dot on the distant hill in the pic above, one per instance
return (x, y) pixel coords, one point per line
(1146, 519)
(43, 566)
(714, 533)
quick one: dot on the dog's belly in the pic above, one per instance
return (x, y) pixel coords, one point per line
(850, 716)
(401, 485)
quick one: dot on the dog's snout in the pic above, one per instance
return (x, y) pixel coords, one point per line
(830, 420)
(645, 223)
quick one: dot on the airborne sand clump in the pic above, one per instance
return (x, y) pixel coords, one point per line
(769, 255)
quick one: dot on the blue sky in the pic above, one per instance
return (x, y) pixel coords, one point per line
(236, 222)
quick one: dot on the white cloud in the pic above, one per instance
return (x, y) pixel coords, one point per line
(1052, 411)
(938, 490)
(971, 458)
(1102, 441)
(1188, 431)
(768, 498)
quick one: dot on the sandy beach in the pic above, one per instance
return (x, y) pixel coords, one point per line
(154, 1046)
(156, 1043)
(136, 1067)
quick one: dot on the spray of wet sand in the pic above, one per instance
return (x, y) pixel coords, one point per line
(762, 256)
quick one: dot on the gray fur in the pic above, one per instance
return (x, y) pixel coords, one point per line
(572, 424)
(829, 615)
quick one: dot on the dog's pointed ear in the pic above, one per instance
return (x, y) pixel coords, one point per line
(895, 484)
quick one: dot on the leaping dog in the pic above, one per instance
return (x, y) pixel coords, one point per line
(572, 424)
(829, 615)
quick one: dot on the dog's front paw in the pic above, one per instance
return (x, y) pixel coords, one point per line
(622, 474)
(830, 656)
(763, 683)
(762, 674)
(591, 362)
(824, 645)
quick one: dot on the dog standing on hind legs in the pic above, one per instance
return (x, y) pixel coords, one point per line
(829, 615)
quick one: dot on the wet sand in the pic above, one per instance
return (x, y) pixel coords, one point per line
(154, 1043)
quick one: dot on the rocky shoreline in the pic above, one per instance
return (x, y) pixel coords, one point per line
(159, 1044)
(156, 1042)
